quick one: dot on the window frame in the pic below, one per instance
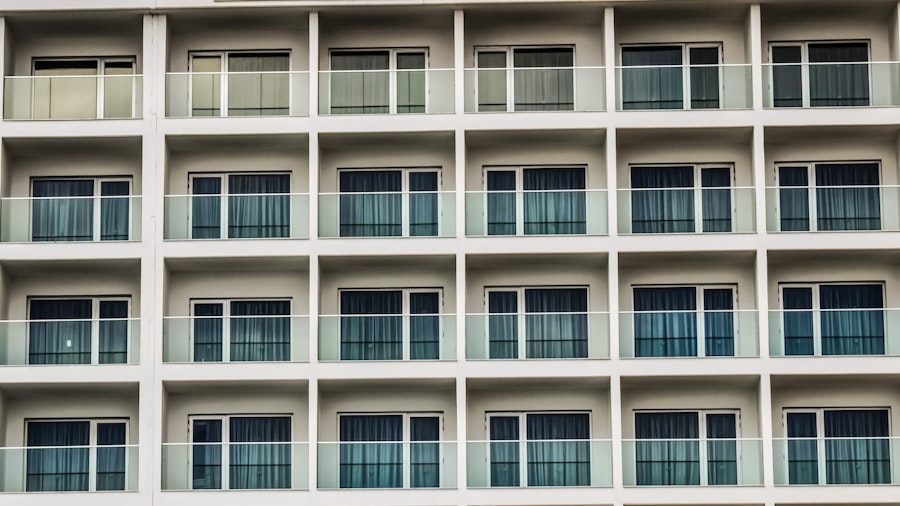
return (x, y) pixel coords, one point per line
(224, 60)
(686, 67)
(102, 62)
(224, 195)
(805, 66)
(392, 72)
(509, 71)
(226, 318)
(404, 193)
(97, 198)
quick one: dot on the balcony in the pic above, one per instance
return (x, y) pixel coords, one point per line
(70, 342)
(547, 463)
(70, 219)
(71, 97)
(545, 336)
(237, 216)
(400, 91)
(399, 337)
(235, 466)
(834, 332)
(687, 210)
(836, 461)
(105, 468)
(692, 462)
(536, 212)
(705, 333)
(838, 208)
(237, 94)
(387, 465)
(839, 84)
(217, 339)
(684, 87)
(535, 89)
(387, 214)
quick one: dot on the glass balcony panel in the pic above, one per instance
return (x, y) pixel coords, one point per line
(834, 332)
(66, 469)
(837, 461)
(282, 216)
(387, 465)
(687, 210)
(836, 209)
(70, 342)
(545, 212)
(692, 462)
(580, 89)
(732, 333)
(677, 87)
(401, 91)
(387, 337)
(113, 96)
(269, 93)
(239, 339)
(851, 84)
(545, 463)
(70, 219)
(548, 336)
(246, 466)
(389, 214)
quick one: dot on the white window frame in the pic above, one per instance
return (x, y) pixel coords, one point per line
(224, 57)
(100, 76)
(97, 200)
(226, 319)
(804, 63)
(392, 71)
(404, 191)
(224, 196)
(686, 67)
(95, 319)
(509, 70)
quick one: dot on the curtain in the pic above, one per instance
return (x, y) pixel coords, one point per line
(424, 326)
(721, 449)
(114, 329)
(552, 460)
(834, 80)
(657, 81)
(705, 77)
(492, 81)
(371, 325)
(423, 203)
(365, 91)
(548, 207)
(254, 214)
(852, 319)
(556, 323)
(259, 452)
(803, 459)
(57, 218)
(670, 454)
(793, 198)
(411, 82)
(67, 341)
(787, 80)
(260, 331)
(665, 322)
(371, 453)
(503, 324)
(716, 199)
(111, 456)
(261, 86)
(206, 454)
(424, 451)
(206, 208)
(718, 322)
(662, 199)
(370, 203)
(848, 196)
(114, 206)
(208, 332)
(504, 433)
(798, 321)
(66, 89)
(544, 79)
(865, 459)
(501, 202)
(57, 468)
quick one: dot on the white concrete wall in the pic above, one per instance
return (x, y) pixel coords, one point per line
(74, 282)
(222, 284)
(384, 275)
(707, 272)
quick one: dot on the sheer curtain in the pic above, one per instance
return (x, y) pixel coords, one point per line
(251, 213)
(261, 86)
(501, 202)
(552, 460)
(548, 208)
(671, 454)
(665, 322)
(56, 218)
(411, 90)
(556, 323)
(208, 332)
(206, 454)
(834, 78)
(423, 203)
(260, 331)
(424, 326)
(718, 322)
(371, 325)
(260, 452)
(113, 338)
(793, 198)
(67, 341)
(66, 89)
(114, 205)
(57, 468)
(797, 320)
(787, 80)
(371, 453)
(657, 82)
(424, 452)
(852, 319)
(503, 324)
(366, 91)
(206, 207)
(111, 456)
(721, 449)
(704, 77)
(492, 92)
(370, 203)
(504, 434)
(662, 199)
(544, 79)
(866, 457)
(848, 197)
(716, 198)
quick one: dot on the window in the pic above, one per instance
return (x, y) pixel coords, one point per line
(526, 79)
(684, 321)
(554, 323)
(389, 202)
(80, 209)
(681, 199)
(536, 200)
(257, 456)
(378, 81)
(78, 330)
(240, 205)
(246, 83)
(390, 324)
(686, 447)
(555, 448)
(390, 450)
(833, 319)
(820, 74)
(844, 196)
(75, 455)
(838, 446)
(83, 88)
(654, 77)
(241, 330)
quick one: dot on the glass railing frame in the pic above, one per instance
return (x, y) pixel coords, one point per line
(471, 83)
(776, 332)
(724, 90)
(446, 206)
(596, 212)
(133, 341)
(880, 94)
(629, 460)
(742, 348)
(593, 342)
(446, 342)
(773, 208)
(781, 463)
(136, 96)
(600, 471)
(448, 455)
(299, 342)
(297, 106)
(134, 218)
(299, 466)
(298, 216)
(132, 463)
(747, 225)
(431, 103)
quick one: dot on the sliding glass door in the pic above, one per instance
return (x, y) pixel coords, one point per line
(240, 206)
(820, 74)
(240, 83)
(378, 81)
(75, 455)
(684, 321)
(668, 199)
(539, 323)
(389, 203)
(78, 331)
(390, 324)
(536, 201)
(654, 77)
(254, 450)
(846, 196)
(83, 88)
(69, 210)
(241, 331)
(526, 79)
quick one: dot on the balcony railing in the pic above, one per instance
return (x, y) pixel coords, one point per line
(400, 337)
(415, 91)
(73, 97)
(539, 463)
(851, 84)
(837, 461)
(834, 332)
(70, 342)
(235, 466)
(238, 216)
(833, 208)
(536, 212)
(69, 469)
(687, 210)
(70, 219)
(538, 336)
(387, 214)
(387, 465)
(216, 339)
(518, 89)
(683, 87)
(205, 94)
(661, 334)
(692, 462)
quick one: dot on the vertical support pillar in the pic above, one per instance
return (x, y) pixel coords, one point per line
(459, 61)
(756, 51)
(313, 64)
(609, 56)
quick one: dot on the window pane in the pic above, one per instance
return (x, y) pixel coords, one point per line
(410, 82)
(206, 454)
(857, 450)
(371, 203)
(718, 322)
(798, 324)
(671, 453)
(852, 319)
(66, 89)
(111, 456)
(841, 83)
(803, 460)
(66, 341)
(556, 323)
(492, 83)
(423, 203)
(208, 332)
(254, 214)
(503, 324)
(361, 83)
(370, 459)
(665, 322)
(501, 202)
(425, 458)
(504, 433)
(662, 199)
(114, 327)
(258, 84)
(548, 207)
(704, 77)
(716, 195)
(263, 459)
(114, 210)
(721, 449)
(260, 331)
(57, 218)
(544, 79)
(372, 333)
(848, 196)
(657, 80)
(793, 202)
(206, 86)
(553, 461)
(424, 326)
(206, 208)
(787, 80)
(57, 469)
